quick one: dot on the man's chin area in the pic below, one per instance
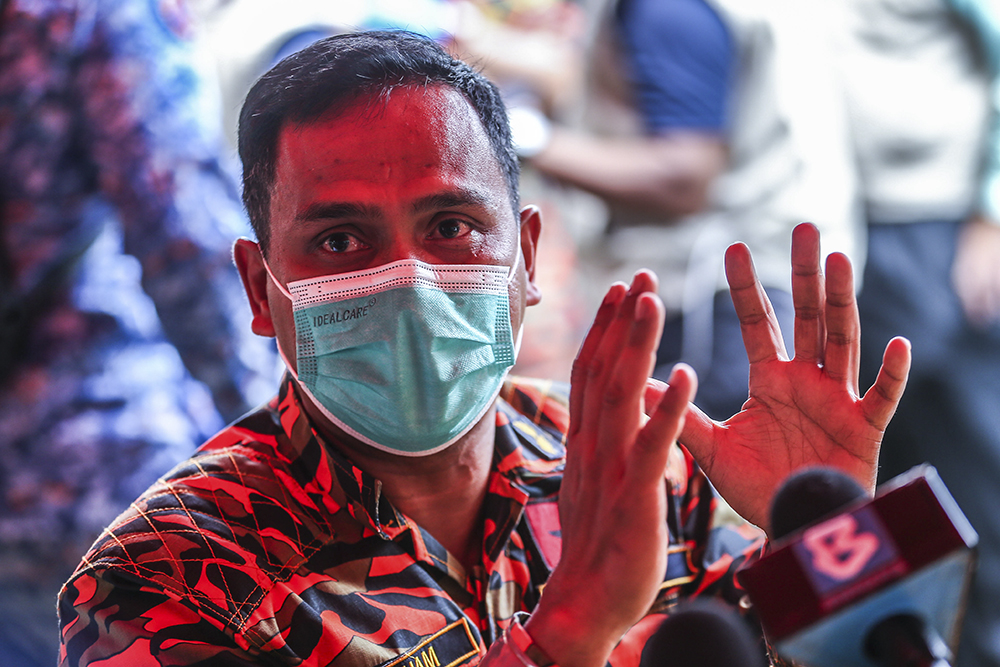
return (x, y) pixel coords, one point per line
(361, 452)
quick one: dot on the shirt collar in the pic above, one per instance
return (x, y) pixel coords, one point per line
(526, 458)
(328, 476)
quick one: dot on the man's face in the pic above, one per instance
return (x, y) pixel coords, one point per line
(413, 177)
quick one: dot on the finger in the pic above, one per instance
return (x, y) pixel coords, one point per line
(601, 363)
(652, 447)
(807, 294)
(596, 360)
(761, 334)
(880, 401)
(699, 428)
(643, 281)
(615, 329)
(583, 364)
(614, 412)
(699, 436)
(653, 394)
(843, 330)
(577, 460)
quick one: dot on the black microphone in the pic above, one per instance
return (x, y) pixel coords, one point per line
(809, 495)
(703, 632)
(859, 582)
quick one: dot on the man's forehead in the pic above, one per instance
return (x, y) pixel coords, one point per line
(425, 109)
(400, 149)
(431, 126)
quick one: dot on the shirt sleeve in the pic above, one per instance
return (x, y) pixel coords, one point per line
(983, 16)
(512, 648)
(108, 616)
(682, 60)
(721, 541)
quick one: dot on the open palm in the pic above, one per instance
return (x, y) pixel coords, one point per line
(802, 411)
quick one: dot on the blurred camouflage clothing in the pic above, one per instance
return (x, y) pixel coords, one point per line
(117, 216)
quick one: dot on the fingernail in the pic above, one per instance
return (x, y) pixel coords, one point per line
(614, 295)
(673, 375)
(643, 309)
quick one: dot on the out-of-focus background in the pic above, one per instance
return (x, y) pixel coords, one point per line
(653, 133)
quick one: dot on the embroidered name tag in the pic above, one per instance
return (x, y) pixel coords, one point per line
(452, 646)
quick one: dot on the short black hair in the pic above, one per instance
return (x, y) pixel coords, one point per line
(329, 75)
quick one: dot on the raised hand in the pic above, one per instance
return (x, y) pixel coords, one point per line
(613, 499)
(807, 410)
(976, 271)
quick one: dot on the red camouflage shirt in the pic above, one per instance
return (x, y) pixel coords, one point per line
(270, 547)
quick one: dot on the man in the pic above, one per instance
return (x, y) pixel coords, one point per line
(697, 132)
(921, 79)
(123, 333)
(386, 508)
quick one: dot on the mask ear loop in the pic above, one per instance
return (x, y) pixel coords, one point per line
(288, 295)
(510, 279)
(281, 288)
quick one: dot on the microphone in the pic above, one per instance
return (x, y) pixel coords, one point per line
(809, 495)
(703, 632)
(859, 582)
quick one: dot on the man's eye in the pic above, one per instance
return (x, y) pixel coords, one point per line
(342, 242)
(452, 228)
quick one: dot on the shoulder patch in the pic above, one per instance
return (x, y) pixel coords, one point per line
(539, 440)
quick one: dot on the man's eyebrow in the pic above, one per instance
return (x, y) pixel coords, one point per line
(336, 211)
(457, 198)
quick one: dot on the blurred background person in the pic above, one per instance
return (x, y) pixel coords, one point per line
(244, 38)
(704, 123)
(534, 50)
(698, 124)
(125, 334)
(923, 78)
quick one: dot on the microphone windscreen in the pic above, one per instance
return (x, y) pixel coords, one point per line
(703, 633)
(808, 495)
(907, 553)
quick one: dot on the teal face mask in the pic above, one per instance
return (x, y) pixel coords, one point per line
(406, 357)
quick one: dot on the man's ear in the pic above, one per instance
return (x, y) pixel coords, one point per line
(250, 263)
(531, 227)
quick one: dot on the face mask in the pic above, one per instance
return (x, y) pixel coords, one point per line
(405, 357)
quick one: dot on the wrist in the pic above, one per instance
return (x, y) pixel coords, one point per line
(525, 648)
(566, 641)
